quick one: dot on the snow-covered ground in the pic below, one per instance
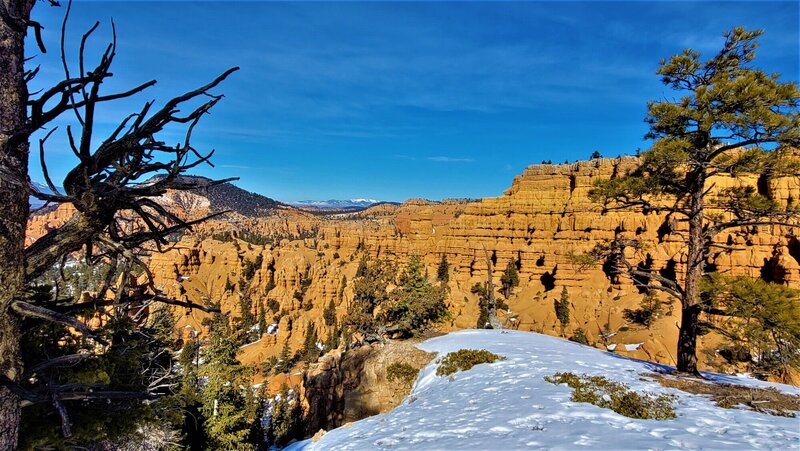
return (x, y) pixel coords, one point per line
(508, 405)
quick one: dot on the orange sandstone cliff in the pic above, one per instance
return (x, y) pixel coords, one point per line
(539, 222)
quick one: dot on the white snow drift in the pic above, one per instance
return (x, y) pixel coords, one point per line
(508, 405)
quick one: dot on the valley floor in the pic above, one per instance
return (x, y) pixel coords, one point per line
(508, 405)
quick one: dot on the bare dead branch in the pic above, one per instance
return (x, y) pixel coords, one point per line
(35, 311)
(64, 360)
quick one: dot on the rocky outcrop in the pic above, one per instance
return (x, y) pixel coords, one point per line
(353, 385)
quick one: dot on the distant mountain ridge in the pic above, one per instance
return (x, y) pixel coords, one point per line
(336, 204)
(36, 203)
(226, 196)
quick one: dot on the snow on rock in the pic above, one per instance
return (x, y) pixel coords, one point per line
(508, 405)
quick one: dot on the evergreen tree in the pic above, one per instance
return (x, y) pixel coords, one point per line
(760, 322)
(562, 309)
(370, 291)
(137, 354)
(361, 271)
(334, 338)
(189, 393)
(342, 286)
(262, 320)
(188, 360)
(104, 190)
(227, 401)
(246, 312)
(729, 118)
(509, 279)
(310, 349)
(443, 271)
(285, 360)
(285, 419)
(329, 314)
(483, 305)
(416, 303)
(412, 279)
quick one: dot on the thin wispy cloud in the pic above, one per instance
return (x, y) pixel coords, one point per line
(337, 100)
(450, 160)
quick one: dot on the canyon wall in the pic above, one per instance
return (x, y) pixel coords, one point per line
(540, 221)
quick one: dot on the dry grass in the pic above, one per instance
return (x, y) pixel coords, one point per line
(729, 396)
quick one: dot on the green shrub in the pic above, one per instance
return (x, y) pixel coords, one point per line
(647, 313)
(273, 305)
(464, 359)
(579, 337)
(402, 372)
(616, 396)
(269, 365)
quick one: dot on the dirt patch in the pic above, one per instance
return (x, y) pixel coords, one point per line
(763, 400)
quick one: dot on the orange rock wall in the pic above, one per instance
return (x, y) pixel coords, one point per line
(543, 218)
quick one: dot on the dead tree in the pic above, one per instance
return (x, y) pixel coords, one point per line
(113, 188)
(491, 305)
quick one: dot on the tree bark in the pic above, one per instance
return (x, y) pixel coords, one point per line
(695, 265)
(491, 305)
(14, 200)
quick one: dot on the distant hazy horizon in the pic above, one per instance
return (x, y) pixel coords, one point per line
(393, 101)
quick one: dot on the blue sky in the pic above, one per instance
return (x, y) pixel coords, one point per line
(399, 100)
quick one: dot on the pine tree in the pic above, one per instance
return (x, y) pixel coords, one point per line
(188, 361)
(370, 291)
(509, 279)
(246, 312)
(728, 118)
(286, 419)
(189, 394)
(483, 305)
(285, 361)
(227, 401)
(412, 279)
(329, 314)
(760, 322)
(443, 271)
(262, 320)
(361, 271)
(416, 303)
(562, 309)
(310, 349)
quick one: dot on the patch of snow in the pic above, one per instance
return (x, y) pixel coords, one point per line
(633, 346)
(335, 203)
(508, 405)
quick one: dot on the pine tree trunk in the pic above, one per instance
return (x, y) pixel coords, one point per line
(695, 265)
(491, 306)
(14, 201)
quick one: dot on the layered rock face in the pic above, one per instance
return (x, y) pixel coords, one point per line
(356, 384)
(542, 219)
